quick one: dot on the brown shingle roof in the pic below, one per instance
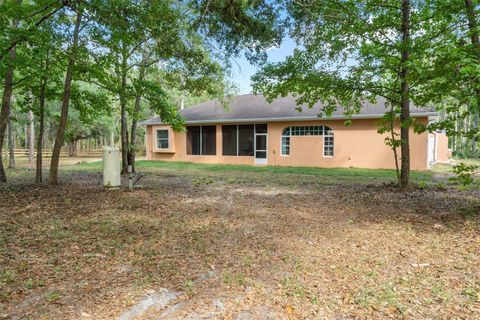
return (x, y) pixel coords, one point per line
(254, 108)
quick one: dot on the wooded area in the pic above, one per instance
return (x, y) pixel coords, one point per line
(117, 62)
(213, 241)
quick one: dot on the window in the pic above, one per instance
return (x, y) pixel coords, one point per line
(229, 140)
(285, 141)
(162, 139)
(324, 131)
(285, 146)
(328, 146)
(245, 140)
(238, 140)
(209, 140)
(201, 140)
(193, 140)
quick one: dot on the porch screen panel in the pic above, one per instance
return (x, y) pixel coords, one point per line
(193, 140)
(229, 140)
(245, 140)
(209, 140)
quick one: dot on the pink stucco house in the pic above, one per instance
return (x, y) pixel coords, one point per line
(251, 131)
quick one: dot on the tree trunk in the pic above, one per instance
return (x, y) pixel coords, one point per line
(123, 111)
(136, 111)
(405, 100)
(474, 37)
(11, 144)
(75, 151)
(41, 129)
(7, 98)
(394, 140)
(71, 148)
(31, 137)
(5, 111)
(25, 137)
(476, 128)
(67, 89)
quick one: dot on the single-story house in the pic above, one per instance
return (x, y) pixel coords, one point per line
(251, 131)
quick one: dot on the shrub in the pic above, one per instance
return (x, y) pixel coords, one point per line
(464, 173)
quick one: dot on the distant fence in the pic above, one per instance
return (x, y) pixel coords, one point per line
(47, 153)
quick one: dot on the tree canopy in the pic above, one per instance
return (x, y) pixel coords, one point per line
(350, 52)
(132, 55)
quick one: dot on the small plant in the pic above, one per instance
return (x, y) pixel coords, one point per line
(231, 280)
(464, 173)
(188, 287)
(202, 180)
(247, 261)
(441, 186)
(472, 293)
(30, 284)
(293, 287)
(232, 180)
(422, 185)
(53, 296)
(7, 276)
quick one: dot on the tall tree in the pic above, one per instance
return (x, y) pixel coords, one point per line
(31, 136)
(11, 144)
(405, 95)
(41, 129)
(67, 89)
(46, 67)
(136, 111)
(351, 52)
(471, 13)
(450, 75)
(142, 43)
(7, 92)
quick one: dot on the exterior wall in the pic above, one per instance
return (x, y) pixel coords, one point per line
(358, 145)
(443, 153)
(179, 140)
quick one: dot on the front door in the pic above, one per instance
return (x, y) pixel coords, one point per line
(261, 143)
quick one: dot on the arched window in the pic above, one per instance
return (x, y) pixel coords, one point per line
(324, 131)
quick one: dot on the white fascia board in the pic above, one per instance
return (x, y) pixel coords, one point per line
(286, 119)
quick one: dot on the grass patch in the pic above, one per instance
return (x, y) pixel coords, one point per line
(234, 279)
(344, 173)
(54, 296)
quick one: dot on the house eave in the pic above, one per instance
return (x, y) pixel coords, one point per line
(286, 119)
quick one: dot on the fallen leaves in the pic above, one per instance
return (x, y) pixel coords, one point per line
(309, 252)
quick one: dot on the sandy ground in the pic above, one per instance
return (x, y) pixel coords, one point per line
(23, 162)
(237, 250)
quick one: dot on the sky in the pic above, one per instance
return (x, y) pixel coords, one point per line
(242, 70)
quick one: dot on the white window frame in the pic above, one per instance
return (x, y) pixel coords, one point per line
(333, 146)
(157, 138)
(289, 141)
(255, 134)
(324, 136)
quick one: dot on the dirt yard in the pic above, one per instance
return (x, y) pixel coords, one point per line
(216, 247)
